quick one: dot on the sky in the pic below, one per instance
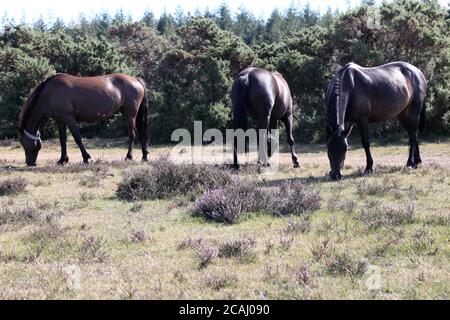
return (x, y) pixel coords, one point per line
(31, 10)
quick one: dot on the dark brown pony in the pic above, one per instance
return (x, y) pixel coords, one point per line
(361, 95)
(265, 96)
(69, 99)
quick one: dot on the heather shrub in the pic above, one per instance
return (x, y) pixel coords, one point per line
(296, 226)
(219, 205)
(93, 250)
(219, 281)
(166, 179)
(229, 203)
(23, 215)
(12, 186)
(368, 187)
(299, 200)
(241, 248)
(375, 215)
(206, 255)
(343, 263)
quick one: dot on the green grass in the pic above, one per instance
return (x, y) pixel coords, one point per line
(115, 249)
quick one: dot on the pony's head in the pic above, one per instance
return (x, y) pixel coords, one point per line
(337, 148)
(32, 145)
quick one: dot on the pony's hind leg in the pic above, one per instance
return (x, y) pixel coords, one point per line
(263, 129)
(131, 137)
(273, 126)
(73, 127)
(410, 122)
(63, 141)
(288, 120)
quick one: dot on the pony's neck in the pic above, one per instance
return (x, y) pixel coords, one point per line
(33, 121)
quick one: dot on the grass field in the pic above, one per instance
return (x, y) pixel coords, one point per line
(68, 236)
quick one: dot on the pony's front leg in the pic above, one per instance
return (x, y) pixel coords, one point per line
(364, 132)
(73, 127)
(63, 141)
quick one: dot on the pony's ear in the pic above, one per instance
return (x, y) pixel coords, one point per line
(346, 133)
(329, 131)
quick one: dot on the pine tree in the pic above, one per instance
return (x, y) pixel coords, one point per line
(166, 24)
(149, 19)
(224, 19)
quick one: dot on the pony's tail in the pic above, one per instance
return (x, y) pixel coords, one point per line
(422, 118)
(142, 120)
(240, 116)
(32, 100)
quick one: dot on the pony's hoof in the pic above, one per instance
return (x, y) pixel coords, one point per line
(62, 162)
(298, 166)
(128, 158)
(368, 172)
(144, 160)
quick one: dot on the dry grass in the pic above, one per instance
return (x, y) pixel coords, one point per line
(298, 235)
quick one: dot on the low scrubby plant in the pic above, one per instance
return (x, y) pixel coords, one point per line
(323, 249)
(376, 215)
(206, 255)
(370, 187)
(423, 242)
(93, 250)
(218, 281)
(23, 215)
(138, 236)
(12, 186)
(300, 225)
(229, 203)
(303, 276)
(343, 263)
(219, 205)
(298, 200)
(166, 179)
(190, 243)
(242, 248)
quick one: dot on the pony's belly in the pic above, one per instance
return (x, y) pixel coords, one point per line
(95, 114)
(386, 114)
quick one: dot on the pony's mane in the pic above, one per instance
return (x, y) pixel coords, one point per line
(337, 86)
(32, 100)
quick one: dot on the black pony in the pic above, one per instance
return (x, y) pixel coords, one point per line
(361, 95)
(265, 96)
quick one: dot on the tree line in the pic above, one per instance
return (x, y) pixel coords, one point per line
(189, 61)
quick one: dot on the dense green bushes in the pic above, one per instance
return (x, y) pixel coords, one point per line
(190, 62)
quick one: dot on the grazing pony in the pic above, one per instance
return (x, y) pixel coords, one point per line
(69, 99)
(361, 95)
(265, 96)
